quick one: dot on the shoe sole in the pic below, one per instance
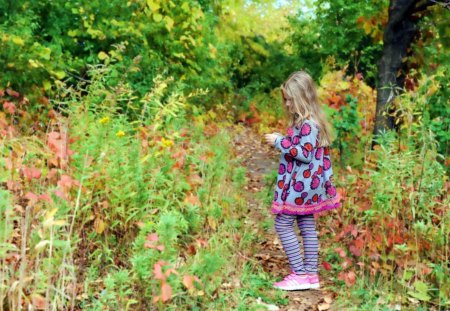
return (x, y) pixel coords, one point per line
(315, 286)
(291, 288)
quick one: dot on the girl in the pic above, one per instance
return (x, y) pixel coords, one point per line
(305, 184)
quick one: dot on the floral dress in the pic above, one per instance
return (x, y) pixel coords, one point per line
(305, 183)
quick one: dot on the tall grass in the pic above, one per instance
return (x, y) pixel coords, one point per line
(115, 213)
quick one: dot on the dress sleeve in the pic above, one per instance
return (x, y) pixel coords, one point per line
(300, 142)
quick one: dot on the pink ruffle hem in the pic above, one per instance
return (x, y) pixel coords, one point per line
(291, 209)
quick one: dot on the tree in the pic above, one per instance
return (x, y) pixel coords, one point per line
(401, 30)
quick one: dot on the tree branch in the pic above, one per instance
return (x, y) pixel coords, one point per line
(426, 4)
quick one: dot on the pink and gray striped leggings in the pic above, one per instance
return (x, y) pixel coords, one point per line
(284, 225)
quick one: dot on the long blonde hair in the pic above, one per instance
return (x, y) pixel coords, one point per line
(301, 90)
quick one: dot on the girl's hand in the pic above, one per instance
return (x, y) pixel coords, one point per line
(270, 138)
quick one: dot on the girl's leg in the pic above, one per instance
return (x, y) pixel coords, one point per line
(307, 227)
(284, 225)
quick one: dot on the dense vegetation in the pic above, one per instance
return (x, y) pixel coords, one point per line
(118, 185)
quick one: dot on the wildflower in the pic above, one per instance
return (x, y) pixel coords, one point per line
(166, 142)
(120, 134)
(104, 120)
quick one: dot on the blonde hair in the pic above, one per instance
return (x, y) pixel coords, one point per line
(301, 90)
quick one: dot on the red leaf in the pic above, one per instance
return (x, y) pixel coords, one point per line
(38, 302)
(350, 278)
(355, 251)
(12, 93)
(152, 237)
(359, 243)
(340, 251)
(327, 266)
(33, 198)
(171, 271)
(31, 172)
(157, 271)
(188, 281)
(9, 107)
(166, 292)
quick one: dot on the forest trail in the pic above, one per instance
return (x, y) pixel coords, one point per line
(259, 160)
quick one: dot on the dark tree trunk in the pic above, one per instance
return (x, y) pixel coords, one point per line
(398, 35)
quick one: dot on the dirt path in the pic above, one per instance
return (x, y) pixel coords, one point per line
(260, 159)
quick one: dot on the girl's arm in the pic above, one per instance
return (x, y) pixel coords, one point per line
(301, 143)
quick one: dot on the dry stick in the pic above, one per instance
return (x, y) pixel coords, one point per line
(49, 278)
(23, 262)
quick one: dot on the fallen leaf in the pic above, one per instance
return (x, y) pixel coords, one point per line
(323, 306)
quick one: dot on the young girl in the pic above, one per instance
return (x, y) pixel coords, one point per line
(305, 179)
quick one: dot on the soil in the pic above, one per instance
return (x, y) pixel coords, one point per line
(261, 159)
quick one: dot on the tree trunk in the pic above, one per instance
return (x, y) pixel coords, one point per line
(398, 35)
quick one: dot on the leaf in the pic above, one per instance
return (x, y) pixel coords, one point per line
(192, 199)
(32, 198)
(327, 266)
(38, 302)
(41, 245)
(102, 55)
(48, 219)
(9, 107)
(157, 17)
(188, 281)
(18, 41)
(350, 278)
(157, 270)
(31, 173)
(166, 292)
(99, 225)
(340, 251)
(323, 306)
(12, 93)
(60, 74)
(169, 23)
(152, 5)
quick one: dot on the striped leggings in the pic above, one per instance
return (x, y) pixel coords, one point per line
(284, 225)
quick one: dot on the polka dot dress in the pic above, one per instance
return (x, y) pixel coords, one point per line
(305, 176)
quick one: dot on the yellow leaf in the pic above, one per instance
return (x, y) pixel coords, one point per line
(18, 41)
(179, 55)
(185, 7)
(59, 74)
(48, 219)
(72, 33)
(152, 5)
(169, 23)
(47, 85)
(60, 222)
(212, 223)
(102, 55)
(99, 225)
(157, 17)
(33, 63)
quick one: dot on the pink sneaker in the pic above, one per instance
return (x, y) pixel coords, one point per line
(294, 282)
(313, 280)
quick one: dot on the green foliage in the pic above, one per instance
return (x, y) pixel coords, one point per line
(331, 31)
(346, 123)
(43, 42)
